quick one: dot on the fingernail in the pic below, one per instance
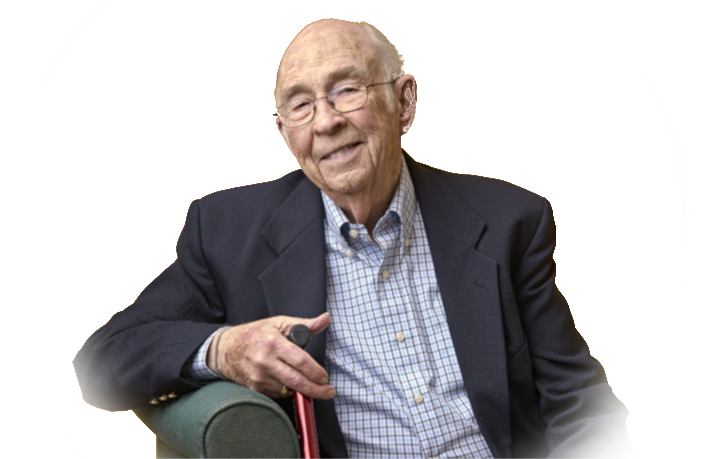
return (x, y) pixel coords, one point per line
(324, 380)
(331, 393)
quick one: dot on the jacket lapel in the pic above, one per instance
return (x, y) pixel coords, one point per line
(295, 285)
(470, 292)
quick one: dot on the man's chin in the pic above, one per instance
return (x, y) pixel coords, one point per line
(343, 189)
(345, 183)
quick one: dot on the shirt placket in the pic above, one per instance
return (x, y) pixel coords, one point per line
(408, 362)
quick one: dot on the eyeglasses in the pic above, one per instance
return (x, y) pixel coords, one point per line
(343, 99)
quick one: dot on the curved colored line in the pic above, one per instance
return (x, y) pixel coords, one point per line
(51, 423)
(689, 208)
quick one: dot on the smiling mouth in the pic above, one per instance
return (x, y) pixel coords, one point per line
(340, 151)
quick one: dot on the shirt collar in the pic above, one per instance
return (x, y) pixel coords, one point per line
(404, 204)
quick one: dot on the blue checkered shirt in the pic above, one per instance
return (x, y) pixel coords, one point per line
(389, 353)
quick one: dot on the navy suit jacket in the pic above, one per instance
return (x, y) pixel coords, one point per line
(258, 251)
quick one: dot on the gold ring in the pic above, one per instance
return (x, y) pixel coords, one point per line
(285, 392)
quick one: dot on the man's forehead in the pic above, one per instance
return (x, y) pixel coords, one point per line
(325, 50)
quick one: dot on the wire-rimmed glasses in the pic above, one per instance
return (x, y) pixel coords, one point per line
(343, 99)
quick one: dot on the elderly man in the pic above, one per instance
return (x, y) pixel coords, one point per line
(439, 330)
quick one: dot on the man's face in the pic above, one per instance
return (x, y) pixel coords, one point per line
(344, 154)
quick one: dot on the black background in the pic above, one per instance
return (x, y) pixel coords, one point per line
(162, 105)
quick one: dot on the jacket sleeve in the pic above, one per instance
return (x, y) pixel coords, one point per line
(583, 417)
(138, 355)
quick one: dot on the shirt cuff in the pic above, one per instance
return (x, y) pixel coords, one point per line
(196, 366)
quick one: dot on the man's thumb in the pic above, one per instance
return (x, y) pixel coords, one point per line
(319, 323)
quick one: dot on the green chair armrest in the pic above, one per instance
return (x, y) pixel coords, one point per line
(223, 419)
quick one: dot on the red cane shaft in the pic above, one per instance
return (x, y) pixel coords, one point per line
(300, 335)
(305, 426)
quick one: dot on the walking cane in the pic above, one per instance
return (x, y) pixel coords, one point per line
(300, 335)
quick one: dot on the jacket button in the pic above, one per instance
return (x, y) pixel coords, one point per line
(172, 395)
(163, 398)
(153, 401)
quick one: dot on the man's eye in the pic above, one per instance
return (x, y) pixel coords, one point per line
(300, 105)
(348, 90)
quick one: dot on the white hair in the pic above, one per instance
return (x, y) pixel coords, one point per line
(388, 60)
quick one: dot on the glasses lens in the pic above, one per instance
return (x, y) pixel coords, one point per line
(348, 97)
(296, 112)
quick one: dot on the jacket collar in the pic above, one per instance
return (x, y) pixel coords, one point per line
(304, 206)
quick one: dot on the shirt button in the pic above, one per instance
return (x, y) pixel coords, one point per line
(418, 398)
(407, 242)
(386, 274)
(353, 233)
(349, 253)
(400, 336)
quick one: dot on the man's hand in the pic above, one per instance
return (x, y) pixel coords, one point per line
(259, 355)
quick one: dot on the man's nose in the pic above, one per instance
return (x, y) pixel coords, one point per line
(326, 119)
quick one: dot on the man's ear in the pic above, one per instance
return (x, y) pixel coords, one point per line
(281, 129)
(407, 98)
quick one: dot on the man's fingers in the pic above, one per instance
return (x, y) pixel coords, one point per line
(304, 363)
(259, 355)
(296, 380)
